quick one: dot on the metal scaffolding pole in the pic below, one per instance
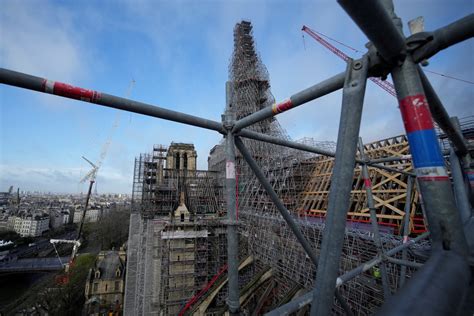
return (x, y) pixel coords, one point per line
(381, 30)
(25, 81)
(278, 203)
(461, 195)
(346, 277)
(449, 246)
(441, 116)
(373, 220)
(341, 185)
(291, 144)
(435, 187)
(307, 298)
(404, 263)
(428, 161)
(284, 212)
(444, 37)
(318, 90)
(230, 184)
(406, 228)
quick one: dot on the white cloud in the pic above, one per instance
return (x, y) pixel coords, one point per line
(61, 179)
(39, 39)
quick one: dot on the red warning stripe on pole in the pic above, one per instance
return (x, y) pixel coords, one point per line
(282, 106)
(439, 178)
(416, 113)
(66, 90)
(367, 183)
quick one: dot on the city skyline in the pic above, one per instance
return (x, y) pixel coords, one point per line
(178, 55)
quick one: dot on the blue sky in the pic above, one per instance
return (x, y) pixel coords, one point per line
(178, 54)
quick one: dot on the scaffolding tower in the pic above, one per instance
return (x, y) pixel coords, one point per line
(302, 180)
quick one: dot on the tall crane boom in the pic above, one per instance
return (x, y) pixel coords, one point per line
(105, 147)
(91, 176)
(387, 86)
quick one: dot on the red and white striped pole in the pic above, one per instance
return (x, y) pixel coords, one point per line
(443, 218)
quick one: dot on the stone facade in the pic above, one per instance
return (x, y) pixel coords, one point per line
(181, 156)
(29, 225)
(92, 216)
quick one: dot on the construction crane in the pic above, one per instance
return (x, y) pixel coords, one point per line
(105, 147)
(92, 177)
(76, 244)
(387, 86)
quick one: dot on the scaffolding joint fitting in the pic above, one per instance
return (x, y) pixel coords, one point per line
(378, 67)
(228, 121)
(418, 40)
(357, 64)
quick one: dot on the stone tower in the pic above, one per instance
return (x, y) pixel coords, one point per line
(181, 156)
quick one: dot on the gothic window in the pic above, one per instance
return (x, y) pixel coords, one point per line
(185, 161)
(176, 162)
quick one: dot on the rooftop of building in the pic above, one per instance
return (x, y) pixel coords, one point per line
(182, 145)
(108, 262)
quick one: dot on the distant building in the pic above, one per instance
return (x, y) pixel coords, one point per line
(29, 225)
(4, 223)
(12, 222)
(92, 216)
(5, 197)
(105, 284)
(72, 214)
(58, 218)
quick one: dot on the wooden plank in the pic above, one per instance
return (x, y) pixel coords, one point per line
(389, 189)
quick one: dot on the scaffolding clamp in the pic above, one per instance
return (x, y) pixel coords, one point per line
(228, 121)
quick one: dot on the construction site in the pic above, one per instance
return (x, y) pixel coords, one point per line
(296, 227)
(189, 273)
